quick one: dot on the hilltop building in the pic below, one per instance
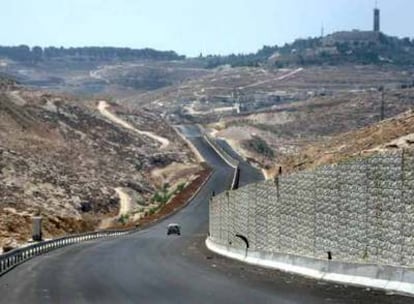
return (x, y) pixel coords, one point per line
(356, 37)
(376, 20)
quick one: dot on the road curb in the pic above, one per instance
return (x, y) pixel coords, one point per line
(226, 160)
(157, 221)
(190, 145)
(269, 261)
(220, 153)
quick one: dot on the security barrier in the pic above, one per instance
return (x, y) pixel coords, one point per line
(358, 211)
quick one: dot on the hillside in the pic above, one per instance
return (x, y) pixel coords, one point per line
(288, 128)
(223, 92)
(391, 134)
(112, 77)
(62, 158)
(346, 47)
(24, 53)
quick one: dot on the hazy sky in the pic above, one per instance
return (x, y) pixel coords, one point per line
(191, 26)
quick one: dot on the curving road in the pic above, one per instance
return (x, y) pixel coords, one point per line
(150, 267)
(248, 174)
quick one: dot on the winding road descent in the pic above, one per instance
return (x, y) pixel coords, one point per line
(151, 267)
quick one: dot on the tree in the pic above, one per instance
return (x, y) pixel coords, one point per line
(37, 53)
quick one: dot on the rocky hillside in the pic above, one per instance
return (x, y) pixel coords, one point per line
(290, 127)
(62, 158)
(227, 91)
(393, 133)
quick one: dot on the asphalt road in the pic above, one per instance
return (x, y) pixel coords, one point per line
(151, 267)
(248, 174)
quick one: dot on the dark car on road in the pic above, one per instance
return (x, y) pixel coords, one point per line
(173, 229)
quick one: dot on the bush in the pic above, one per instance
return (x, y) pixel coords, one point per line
(123, 219)
(162, 196)
(153, 210)
(179, 188)
(260, 146)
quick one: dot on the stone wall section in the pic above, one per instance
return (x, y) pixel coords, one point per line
(361, 210)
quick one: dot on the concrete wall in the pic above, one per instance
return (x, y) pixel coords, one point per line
(360, 210)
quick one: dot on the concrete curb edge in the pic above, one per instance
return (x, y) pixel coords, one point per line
(399, 287)
(224, 158)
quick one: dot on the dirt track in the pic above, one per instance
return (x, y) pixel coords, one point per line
(103, 109)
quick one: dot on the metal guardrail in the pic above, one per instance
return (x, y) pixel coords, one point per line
(223, 154)
(232, 162)
(236, 179)
(17, 256)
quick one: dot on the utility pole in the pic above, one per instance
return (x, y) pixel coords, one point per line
(382, 110)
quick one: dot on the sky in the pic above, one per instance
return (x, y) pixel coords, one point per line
(191, 27)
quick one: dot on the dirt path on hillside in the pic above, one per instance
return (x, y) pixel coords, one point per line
(103, 109)
(125, 207)
(125, 202)
(17, 99)
(283, 77)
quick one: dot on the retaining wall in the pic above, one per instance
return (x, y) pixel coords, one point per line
(362, 211)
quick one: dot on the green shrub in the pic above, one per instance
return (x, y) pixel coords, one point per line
(153, 210)
(162, 196)
(123, 219)
(260, 146)
(180, 188)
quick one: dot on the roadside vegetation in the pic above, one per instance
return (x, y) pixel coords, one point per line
(161, 197)
(260, 146)
(178, 197)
